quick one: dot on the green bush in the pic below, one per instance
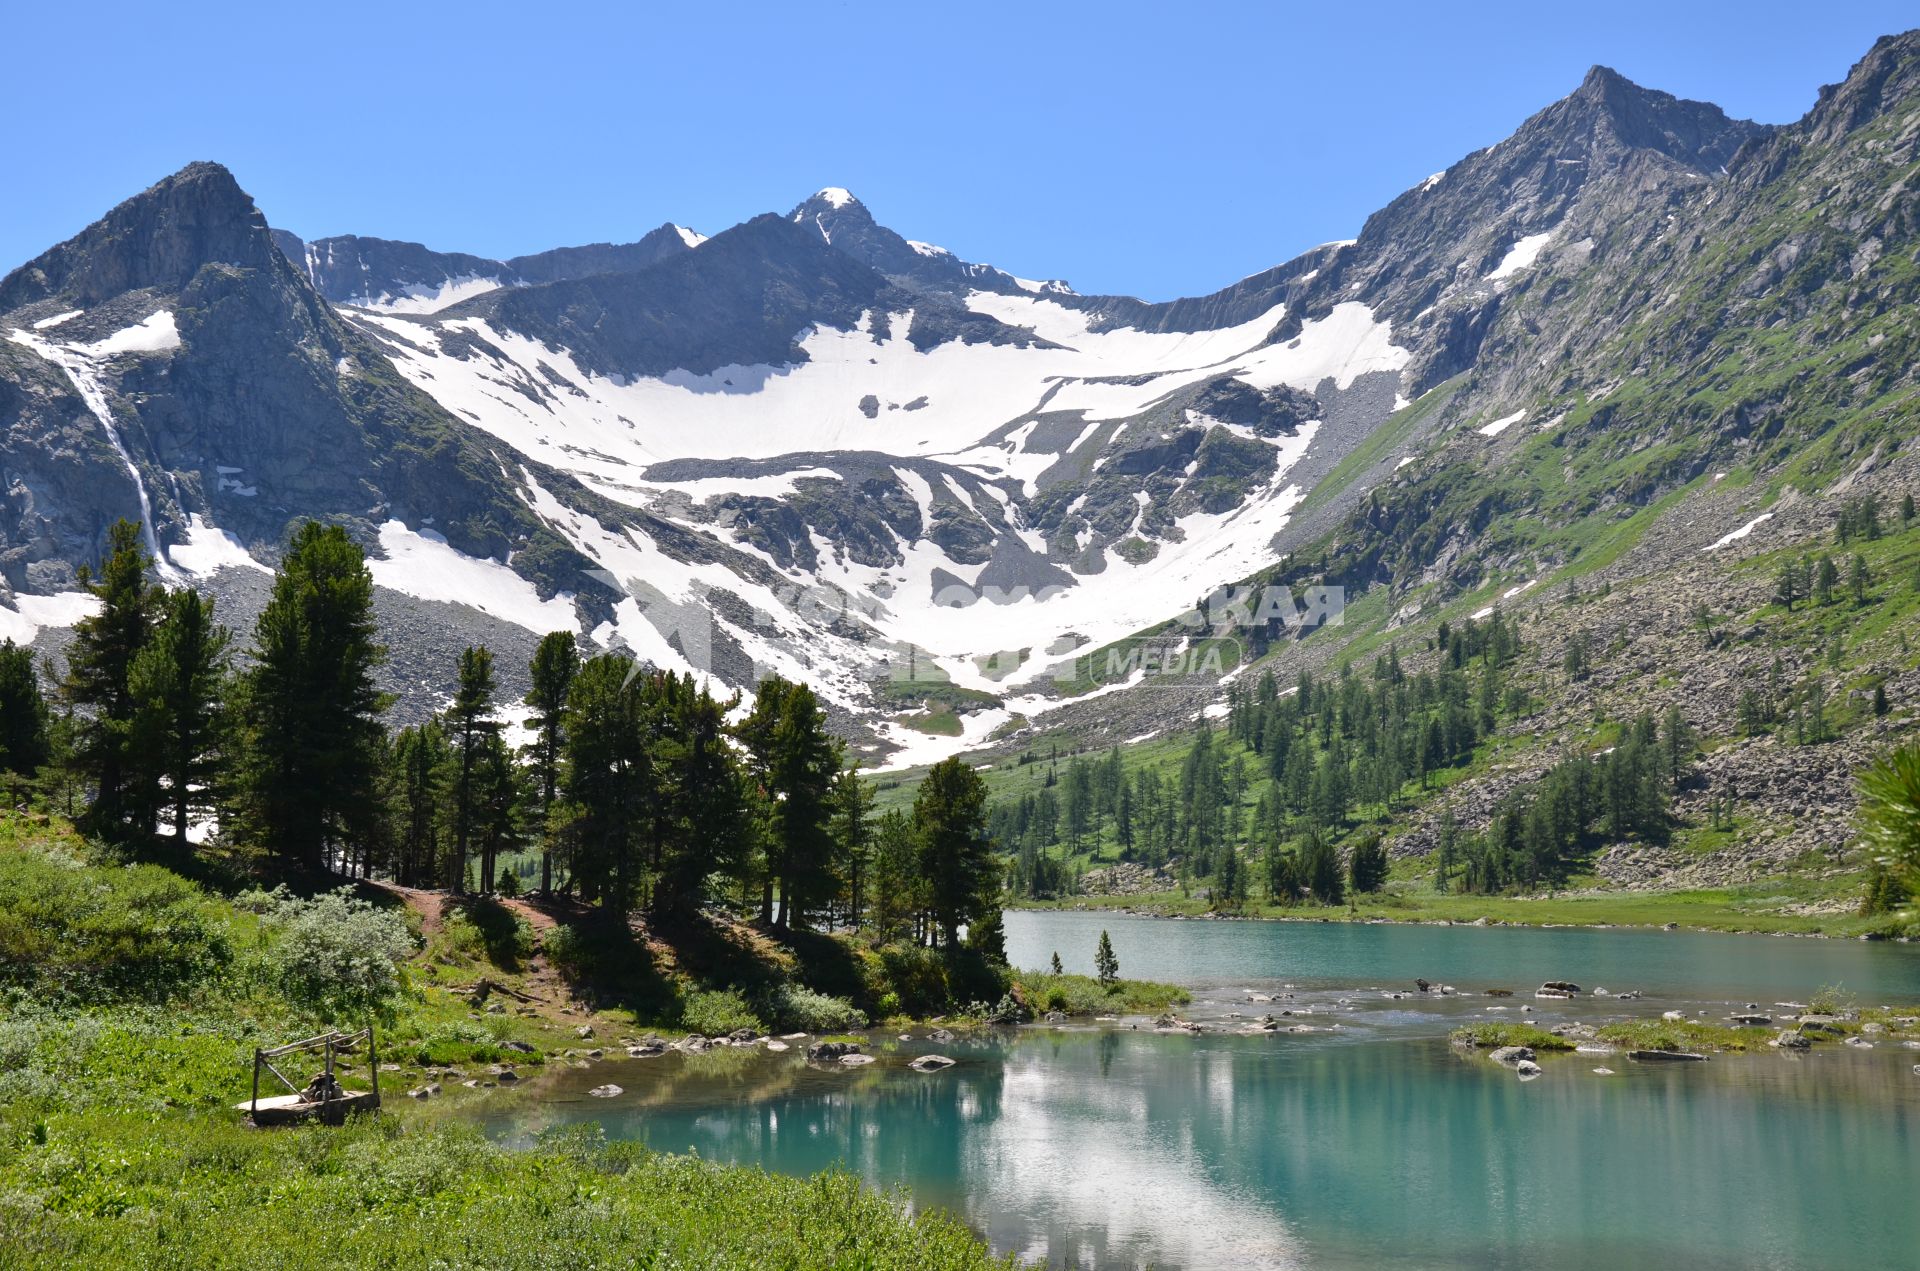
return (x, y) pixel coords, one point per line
(336, 955)
(717, 1012)
(802, 1010)
(105, 933)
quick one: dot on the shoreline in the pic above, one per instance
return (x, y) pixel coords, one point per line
(1788, 926)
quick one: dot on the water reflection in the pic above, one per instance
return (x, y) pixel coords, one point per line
(1120, 1148)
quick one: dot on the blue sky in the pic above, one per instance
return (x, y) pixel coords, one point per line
(1155, 149)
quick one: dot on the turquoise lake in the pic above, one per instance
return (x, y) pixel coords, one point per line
(1364, 1142)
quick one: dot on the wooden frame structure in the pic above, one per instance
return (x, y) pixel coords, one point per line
(334, 1101)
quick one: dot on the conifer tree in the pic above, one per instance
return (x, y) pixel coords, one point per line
(99, 687)
(23, 712)
(1105, 964)
(555, 662)
(181, 683)
(313, 747)
(469, 726)
(954, 854)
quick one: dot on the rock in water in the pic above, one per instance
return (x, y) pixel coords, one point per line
(826, 1052)
(931, 1063)
(608, 1091)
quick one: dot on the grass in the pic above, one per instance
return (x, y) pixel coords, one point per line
(1683, 1035)
(1495, 1034)
(1084, 995)
(91, 1189)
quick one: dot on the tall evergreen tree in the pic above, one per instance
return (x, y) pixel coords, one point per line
(853, 826)
(955, 855)
(609, 780)
(23, 712)
(469, 725)
(99, 687)
(181, 683)
(419, 758)
(313, 733)
(555, 662)
(796, 760)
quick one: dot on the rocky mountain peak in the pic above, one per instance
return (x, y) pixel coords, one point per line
(160, 238)
(1885, 79)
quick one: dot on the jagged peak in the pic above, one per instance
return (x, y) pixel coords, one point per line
(158, 238)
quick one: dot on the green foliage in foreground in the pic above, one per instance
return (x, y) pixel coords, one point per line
(92, 1190)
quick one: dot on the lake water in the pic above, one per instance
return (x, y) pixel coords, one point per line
(1366, 1142)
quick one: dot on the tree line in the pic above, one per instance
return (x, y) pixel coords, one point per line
(637, 787)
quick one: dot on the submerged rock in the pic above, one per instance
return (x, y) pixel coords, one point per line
(1512, 1056)
(931, 1063)
(608, 1091)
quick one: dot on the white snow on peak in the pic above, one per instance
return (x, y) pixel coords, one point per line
(47, 323)
(927, 249)
(1738, 534)
(834, 196)
(209, 549)
(1432, 181)
(691, 238)
(422, 564)
(1043, 287)
(1501, 424)
(156, 333)
(422, 298)
(22, 619)
(1520, 256)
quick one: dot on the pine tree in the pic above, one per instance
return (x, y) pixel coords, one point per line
(853, 826)
(1859, 579)
(313, 747)
(1105, 964)
(609, 781)
(181, 683)
(1320, 865)
(1367, 868)
(419, 759)
(797, 761)
(23, 712)
(470, 728)
(954, 854)
(1906, 510)
(99, 687)
(555, 662)
(1057, 968)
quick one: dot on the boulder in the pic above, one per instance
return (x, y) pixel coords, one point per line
(742, 1036)
(826, 1052)
(1512, 1055)
(692, 1044)
(518, 1047)
(584, 1031)
(1789, 1039)
(1056, 1017)
(777, 1045)
(608, 1091)
(647, 1049)
(941, 1035)
(931, 1063)
(1759, 1021)
(1527, 1068)
(856, 1059)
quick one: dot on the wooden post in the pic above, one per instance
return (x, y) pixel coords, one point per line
(255, 1109)
(373, 1065)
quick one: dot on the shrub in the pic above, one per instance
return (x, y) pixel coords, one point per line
(131, 933)
(802, 1010)
(717, 1012)
(335, 954)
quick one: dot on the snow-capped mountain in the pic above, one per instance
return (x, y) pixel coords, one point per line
(808, 444)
